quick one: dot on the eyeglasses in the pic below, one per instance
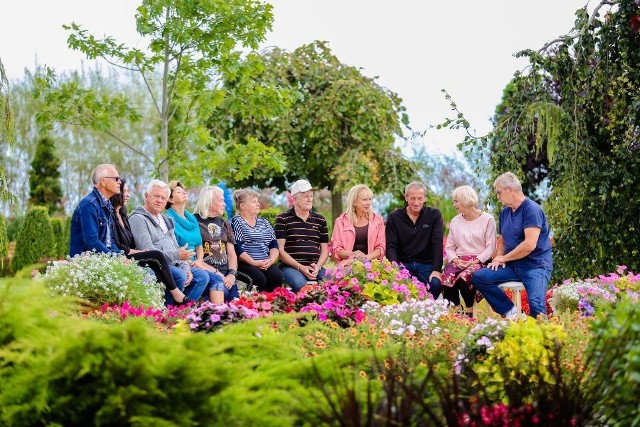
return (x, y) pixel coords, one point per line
(115, 178)
(499, 192)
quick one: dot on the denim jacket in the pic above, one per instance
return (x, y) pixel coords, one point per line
(89, 225)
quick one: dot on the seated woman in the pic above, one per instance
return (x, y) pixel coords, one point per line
(256, 243)
(470, 244)
(359, 232)
(217, 238)
(155, 260)
(187, 233)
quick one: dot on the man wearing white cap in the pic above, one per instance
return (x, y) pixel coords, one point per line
(303, 239)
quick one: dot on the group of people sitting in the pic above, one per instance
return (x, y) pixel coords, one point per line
(200, 254)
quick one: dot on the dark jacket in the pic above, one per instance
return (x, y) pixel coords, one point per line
(91, 223)
(419, 242)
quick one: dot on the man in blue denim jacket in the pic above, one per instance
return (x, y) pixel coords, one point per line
(92, 220)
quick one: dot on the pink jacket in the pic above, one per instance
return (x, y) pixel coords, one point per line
(344, 235)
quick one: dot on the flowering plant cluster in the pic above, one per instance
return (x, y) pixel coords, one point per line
(209, 317)
(104, 279)
(382, 281)
(409, 317)
(480, 340)
(281, 300)
(332, 300)
(117, 313)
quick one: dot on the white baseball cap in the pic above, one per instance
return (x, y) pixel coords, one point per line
(301, 186)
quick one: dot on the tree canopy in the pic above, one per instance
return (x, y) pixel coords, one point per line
(573, 117)
(190, 45)
(44, 177)
(341, 129)
(6, 129)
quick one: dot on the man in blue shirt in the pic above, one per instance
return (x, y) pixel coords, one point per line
(523, 251)
(92, 220)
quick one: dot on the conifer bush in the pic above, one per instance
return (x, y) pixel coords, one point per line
(61, 235)
(4, 246)
(35, 239)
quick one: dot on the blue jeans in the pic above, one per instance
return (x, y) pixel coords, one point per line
(535, 282)
(295, 279)
(230, 294)
(422, 271)
(196, 287)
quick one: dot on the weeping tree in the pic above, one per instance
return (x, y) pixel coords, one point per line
(6, 130)
(340, 130)
(189, 46)
(576, 111)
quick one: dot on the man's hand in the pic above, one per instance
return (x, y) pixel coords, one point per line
(189, 278)
(184, 253)
(309, 271)
(497, 262)
(435, 274)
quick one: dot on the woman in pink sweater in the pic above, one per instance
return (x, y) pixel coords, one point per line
(470, 244)
(359, 232)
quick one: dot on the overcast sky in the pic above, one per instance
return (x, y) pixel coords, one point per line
(416, 47)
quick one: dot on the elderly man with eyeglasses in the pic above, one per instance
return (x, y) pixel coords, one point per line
(523, 251)
(92, 220)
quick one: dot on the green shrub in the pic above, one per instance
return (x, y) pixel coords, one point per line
(13, 228)
(270, 214)
(614, 357)
(35, 240)
(104, 279)
(4, 240)
(60, 233)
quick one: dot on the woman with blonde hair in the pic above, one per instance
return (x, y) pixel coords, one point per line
(470, 244)
(256, 244)
(359, 231)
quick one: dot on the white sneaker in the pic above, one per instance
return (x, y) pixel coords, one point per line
(512, 314)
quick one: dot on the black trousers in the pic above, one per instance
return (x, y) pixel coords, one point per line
(265, 280)
(452, 294)
(157, 262)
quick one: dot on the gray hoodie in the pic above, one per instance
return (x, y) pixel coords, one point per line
(148, 235)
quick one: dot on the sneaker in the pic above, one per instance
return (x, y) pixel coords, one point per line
(512, 314)
(186, 300)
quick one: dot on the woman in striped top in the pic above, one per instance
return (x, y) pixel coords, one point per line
(256, 244)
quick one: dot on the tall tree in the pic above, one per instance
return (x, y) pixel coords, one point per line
(340, 131)
(584, 120)
(190, 44)
(6, 129)
(44, 177)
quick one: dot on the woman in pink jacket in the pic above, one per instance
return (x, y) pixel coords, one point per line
(359, 232)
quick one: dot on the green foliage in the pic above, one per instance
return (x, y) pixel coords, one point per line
(340, 130)
(35, 240)
(44, 177)
(4, 240)
(190, 44)
(7, 130)
(104, 279)
(615, 360)
(13, 228)
(61, 235)
(573, 118)
(270, 214)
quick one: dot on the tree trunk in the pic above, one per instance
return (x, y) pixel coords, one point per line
(336, 205)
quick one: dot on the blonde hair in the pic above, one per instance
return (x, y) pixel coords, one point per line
(240, 196)
(466, 195)
(352, 196)
(205, 198)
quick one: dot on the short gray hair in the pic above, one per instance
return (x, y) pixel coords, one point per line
(508, 179)
(415, 184)
(204, 200)
(157, 183)
(100, 172)
(240, 196)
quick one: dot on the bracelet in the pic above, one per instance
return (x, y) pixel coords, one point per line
(233, 272)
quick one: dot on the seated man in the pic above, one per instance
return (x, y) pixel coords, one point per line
(414, 238)
(153, 230)
(523, 253)
(92, 220)
(303, 239)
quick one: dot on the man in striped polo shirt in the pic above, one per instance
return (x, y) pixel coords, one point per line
(303, 239)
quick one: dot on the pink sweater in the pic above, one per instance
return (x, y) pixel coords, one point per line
(344, 235)
(477, 237)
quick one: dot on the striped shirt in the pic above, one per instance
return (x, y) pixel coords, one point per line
(255, 241)
(302, 238)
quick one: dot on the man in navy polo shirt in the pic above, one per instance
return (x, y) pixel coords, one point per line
(303, 239)
(523, 253)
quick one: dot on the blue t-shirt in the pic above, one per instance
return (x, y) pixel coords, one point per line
(512, 225)
(187, 230)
